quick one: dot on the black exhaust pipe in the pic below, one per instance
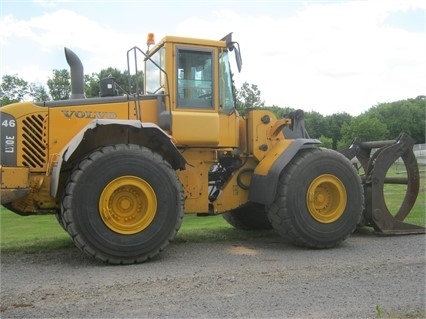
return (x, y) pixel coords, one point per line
(77, 74)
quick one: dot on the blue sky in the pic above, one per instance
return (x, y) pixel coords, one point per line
(324, 56)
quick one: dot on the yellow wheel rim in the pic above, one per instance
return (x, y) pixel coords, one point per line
(326, 198)
(128, 205)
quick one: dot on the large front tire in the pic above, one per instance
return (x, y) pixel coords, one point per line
(319, 199)
(123, 204)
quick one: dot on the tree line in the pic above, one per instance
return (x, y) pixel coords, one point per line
(384, 121)
(15, 89)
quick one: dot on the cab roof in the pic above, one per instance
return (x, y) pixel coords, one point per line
(188, 41)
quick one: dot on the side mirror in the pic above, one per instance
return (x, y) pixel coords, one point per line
(238, 56)
(234, 46)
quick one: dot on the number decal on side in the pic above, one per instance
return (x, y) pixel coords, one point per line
(8, 123)
(9, 139)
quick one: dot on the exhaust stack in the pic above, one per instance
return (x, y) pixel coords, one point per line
(77, 74)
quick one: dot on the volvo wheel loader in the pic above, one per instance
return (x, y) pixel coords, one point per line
(120, 170)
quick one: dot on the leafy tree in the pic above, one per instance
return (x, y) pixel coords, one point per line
(91, 85)
(335, 123)
(364, 127)
(13, 89)
(279, 112)
(248, 96)
(316, 124)
(38, 92)
(60, 85)
(402, 116)
(327, 142)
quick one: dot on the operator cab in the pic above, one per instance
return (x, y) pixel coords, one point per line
(192, 78)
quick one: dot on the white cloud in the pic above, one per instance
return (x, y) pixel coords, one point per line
(71, 29)
(101, 46)
(329, 57)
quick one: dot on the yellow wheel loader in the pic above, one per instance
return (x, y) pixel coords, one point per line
(120, 170)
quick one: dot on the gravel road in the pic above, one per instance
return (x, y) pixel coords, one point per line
(366, 277)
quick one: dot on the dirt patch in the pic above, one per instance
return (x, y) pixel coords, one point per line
(243, 250)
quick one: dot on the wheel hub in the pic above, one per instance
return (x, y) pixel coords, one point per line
(128, 205)
(326, 198)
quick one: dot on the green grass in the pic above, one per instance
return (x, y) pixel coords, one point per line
(394, 196)
(34, 233)
(410, 314)
(30, 233)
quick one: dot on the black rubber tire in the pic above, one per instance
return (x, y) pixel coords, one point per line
(58, 215)
(289, 213)
(251, 216)
(80, 204)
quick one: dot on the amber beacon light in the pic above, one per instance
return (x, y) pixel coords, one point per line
(150, 39)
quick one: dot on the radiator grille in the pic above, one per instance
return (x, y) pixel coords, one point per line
(33, 141)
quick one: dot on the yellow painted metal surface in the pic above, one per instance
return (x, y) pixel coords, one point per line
(15, 183)
(32, 198)
(175, 40)
(260, 125)
(66, 122)
(14, 177)
(195, 128)
(195, 179)
(22, 109)
(272, 156)
(229, 125)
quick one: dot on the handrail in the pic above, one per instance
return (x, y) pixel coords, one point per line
(135, 49)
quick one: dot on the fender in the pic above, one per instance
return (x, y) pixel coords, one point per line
(178, 161)
(264, 181)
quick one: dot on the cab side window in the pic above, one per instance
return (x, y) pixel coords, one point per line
(195, 79)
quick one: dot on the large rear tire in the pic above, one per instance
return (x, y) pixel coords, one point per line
(123, 204)
(319, 199)
(251, 216)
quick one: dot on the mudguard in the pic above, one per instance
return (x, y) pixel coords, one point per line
(263, 185)
(179, 161)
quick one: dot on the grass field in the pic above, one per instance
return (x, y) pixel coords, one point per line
(394, 196)
(34, 233)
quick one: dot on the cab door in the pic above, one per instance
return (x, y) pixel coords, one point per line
(195, 118)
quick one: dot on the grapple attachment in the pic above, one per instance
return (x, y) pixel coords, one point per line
(375, 166)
